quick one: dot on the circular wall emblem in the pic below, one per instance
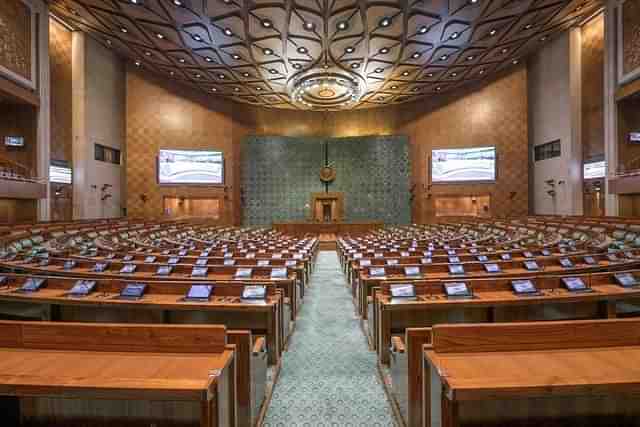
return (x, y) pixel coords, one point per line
(327, 174)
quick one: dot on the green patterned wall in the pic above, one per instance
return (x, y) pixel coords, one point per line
(280, 173)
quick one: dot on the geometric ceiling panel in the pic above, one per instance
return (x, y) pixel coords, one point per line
(255, 51)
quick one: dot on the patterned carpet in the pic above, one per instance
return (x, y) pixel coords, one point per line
(328, 376)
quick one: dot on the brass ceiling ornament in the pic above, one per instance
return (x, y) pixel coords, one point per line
(327, 174)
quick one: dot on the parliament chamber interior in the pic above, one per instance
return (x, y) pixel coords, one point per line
(319, 213)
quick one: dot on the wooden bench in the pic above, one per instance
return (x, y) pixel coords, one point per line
(162, 304)
(569, 373)
(61, 374)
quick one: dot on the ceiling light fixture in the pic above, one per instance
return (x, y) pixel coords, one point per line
(350, 49)
(147, 53)
(384, 50)
(385, 22)
(355, 65)
(309, 26)
(394, 87)
(246, 74)
(302, 50)
(444, 57)
(267, 51)
(493, 32)
(197, 37)
(455, 35)
(423, 29)
(266, 23)
(273, 71)
(378, 70)
(515, 62)
(438, 88)
(198, 76)
(160, 36)
(318, 89)
(138, 63)
(528, 27)
(228, 32)
(342, 25)
(297, 66)
(405, 73)
(124, 30)
(178, 3)
(504, 50)
(470, 58)
(454, 74)
(416, 55)
(182, 60)
(221, 76)
(236, 56)
(481, 71)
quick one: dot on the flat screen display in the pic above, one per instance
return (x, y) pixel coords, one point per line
(626, 280)
(60, 175)
(258, 292)
(492, 268)
(190, 167)
(403, 291)
(14, 141)
(412, 271)
(463, 165)
(133, 290)
(574, 284)
(200, 292)
(83, 287)
(457, 290)
(594, 170)
(523, 287)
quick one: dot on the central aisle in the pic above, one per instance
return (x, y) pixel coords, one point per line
(328, 376)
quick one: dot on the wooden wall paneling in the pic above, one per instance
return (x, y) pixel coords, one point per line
(162, 115)
(628, 121)
(19, 120)
(630, 37)
(593, 88)
(16, 40)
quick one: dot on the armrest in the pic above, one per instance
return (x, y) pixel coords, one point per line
(259, 345)
(397, 344)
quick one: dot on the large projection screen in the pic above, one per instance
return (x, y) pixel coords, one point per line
(179, 167)
(463, 165)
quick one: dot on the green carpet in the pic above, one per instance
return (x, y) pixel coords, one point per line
(328, 376)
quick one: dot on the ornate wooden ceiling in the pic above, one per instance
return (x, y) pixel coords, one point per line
(250, 50)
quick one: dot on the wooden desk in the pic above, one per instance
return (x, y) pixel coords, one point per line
(548, 373)
(302, 228)
(105, 375)
(494, 301)
(162, 304)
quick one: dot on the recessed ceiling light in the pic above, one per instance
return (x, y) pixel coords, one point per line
(470, 58)
(124, 30)
(221, 76)
(213, 89)
(226, 1)
(235, 56)
(493, 32)
(109, 42)
(198, 76)
(135, 1)
(416, 55)
(302, 50)
(394, 87)
(405, 73)
(182, 60)
(481, 71)
(378, 70)
(246, 74)
(160, 36)
(438, 88)
(528, 26)
(385, 22)
(473, 1)
(309, 26)
(171, 73)
(444, 57)
(355, 65)
(267, 51)
(543, 38)
(350, 49)
(514, 62)
(236, 89)
(197, 37)
(504, 50)
(273, 71)
(325, 66)
(455, 35)
(266, 23)
(454, 74)
(381, 98)
(178, 2)
(258, 88)
(423, 29)
(147, 53)
(297, 66)
(430, 75)
(342, 25)
(415, 89)
(228, 32)
(384, 50)
(138, 63)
